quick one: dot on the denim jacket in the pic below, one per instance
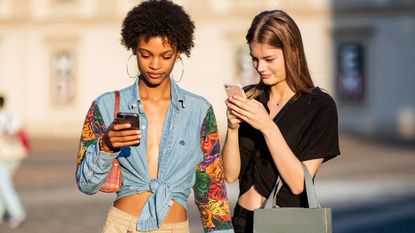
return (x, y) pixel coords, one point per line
(188, 157)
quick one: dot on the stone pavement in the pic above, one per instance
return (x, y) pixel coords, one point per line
(365, 176)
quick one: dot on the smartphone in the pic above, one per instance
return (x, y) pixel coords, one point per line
(234, 89)
(129, 117)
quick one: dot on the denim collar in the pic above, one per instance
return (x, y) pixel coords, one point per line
(177, 95)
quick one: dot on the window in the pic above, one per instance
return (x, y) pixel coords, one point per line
(63, 81)
(350, 72)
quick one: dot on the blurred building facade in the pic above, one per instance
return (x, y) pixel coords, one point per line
(373, 46)
(56, 56)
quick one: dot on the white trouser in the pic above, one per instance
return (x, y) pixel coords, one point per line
(9, 201)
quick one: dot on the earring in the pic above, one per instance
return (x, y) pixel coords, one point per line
(126, 67)
(181, 75)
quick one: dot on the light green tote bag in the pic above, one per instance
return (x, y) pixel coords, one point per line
(274, 219)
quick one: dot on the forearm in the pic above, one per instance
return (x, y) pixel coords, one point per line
(288, 165)
(211, 198)
(210, 189)
(231, 156)
(94, 168)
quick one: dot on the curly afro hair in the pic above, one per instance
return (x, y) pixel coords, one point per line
(163, 18)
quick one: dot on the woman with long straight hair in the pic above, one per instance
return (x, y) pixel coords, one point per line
(284, 121)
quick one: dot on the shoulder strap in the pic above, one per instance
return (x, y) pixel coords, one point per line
(117, 103)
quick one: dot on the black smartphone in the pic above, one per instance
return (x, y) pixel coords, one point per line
(129, 117)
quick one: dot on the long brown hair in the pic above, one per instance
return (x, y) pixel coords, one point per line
(278, 29)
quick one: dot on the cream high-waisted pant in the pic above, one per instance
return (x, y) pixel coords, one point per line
(120, 222)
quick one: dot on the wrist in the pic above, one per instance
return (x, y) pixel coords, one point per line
(269, 129)
(233, 127)
(104, 147)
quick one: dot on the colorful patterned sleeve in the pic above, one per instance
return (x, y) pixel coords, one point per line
(92, 164)
(209, 189)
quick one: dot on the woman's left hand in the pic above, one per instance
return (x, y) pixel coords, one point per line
(251, 111)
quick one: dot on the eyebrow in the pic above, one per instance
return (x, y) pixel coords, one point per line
(266, 57)
(163, 53)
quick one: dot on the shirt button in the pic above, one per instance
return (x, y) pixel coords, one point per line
(143, 127)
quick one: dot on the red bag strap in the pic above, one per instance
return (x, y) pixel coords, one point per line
(117, 103)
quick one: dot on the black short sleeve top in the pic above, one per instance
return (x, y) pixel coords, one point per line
(308, 123)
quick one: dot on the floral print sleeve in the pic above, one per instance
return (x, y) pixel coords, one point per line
(92, 164)
(91, 130)
(209, 189)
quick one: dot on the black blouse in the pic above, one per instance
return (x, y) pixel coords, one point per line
(308, 122)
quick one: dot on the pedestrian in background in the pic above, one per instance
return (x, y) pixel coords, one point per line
(176, 146)
(284, 121)
(14, 146)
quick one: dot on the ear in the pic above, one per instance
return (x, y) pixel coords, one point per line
(134, 51)
(178, 54)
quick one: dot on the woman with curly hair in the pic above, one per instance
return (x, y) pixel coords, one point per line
(284, 122)
(174, 148)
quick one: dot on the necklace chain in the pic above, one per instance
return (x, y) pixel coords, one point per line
(282, 100)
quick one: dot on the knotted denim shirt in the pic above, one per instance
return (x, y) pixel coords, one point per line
(188, 157)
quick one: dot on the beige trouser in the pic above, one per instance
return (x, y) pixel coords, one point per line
(120, 222)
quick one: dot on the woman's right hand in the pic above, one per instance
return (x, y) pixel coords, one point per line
(119, 135)
(233, 121)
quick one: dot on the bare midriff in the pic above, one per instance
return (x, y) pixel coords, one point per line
(133, 204)
(251, 199)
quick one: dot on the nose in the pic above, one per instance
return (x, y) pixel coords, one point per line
(260, 66)
(155, 63)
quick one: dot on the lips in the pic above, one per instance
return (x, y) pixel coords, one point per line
(154, 75)
(265, 76)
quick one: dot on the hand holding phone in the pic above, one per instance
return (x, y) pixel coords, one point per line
(234, 89)
(120, 136)
(130, 118)
(124, 135)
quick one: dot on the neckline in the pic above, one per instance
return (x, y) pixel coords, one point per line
(284, 108)
(264, 98)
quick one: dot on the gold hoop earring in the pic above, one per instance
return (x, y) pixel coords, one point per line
(126, 67)
(181, 75)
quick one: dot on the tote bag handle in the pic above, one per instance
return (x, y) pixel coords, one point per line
(309, 187)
